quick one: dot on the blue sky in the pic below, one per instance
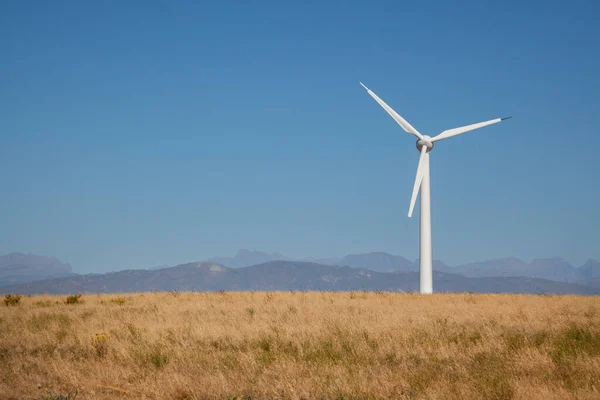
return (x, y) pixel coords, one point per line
(134, 134)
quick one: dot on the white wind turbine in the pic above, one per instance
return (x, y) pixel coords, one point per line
(424, 145)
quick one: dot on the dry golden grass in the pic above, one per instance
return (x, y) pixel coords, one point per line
(302, 345)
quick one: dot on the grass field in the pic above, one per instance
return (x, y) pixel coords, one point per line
(301, 345)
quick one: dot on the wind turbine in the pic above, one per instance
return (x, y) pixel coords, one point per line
(424, 145)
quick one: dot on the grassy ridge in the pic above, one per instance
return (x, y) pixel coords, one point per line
(302, 345)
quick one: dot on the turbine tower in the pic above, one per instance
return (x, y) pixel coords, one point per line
(424, 145)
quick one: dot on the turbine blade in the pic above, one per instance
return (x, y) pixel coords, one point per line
(418, 180)
(457, 131)
(401, 121)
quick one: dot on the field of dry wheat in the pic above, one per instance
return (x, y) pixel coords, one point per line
(297, 345)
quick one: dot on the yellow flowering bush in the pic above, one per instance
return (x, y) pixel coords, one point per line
(100, 344)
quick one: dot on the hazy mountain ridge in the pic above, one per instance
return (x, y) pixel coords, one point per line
(245, 258)
(18, 268)
(591, 271)
(285, 275)
(556, 269)
(380, 262)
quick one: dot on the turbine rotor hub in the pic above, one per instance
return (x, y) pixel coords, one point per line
(426, 141)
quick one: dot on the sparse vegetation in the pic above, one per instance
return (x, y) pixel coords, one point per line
(43, 303)
(118, 300)
(356, 345)
(158, 356)
(12, 299)
(54, 396)
(100, 344)
(73, 299)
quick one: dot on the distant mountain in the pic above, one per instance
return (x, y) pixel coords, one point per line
(380, 262)
(591, 272)
(555, 269)
(285, 275)
(324, 261)
(505, 267)
(437, 265)
(19, 268)
(591, 269)
(245, 258)
(163, 266)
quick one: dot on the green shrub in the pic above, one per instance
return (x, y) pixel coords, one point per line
(574, 342)
(158, 356)
(154, 355)
(12, 299)
(74, 299)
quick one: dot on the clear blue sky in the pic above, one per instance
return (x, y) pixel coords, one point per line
(134, 134)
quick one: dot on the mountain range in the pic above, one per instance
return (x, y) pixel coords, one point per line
(555, 269)
(286, 275)
(255, 270)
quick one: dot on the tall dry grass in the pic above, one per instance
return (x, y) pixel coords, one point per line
(302, 345)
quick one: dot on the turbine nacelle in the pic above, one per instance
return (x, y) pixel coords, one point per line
(425, 141)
